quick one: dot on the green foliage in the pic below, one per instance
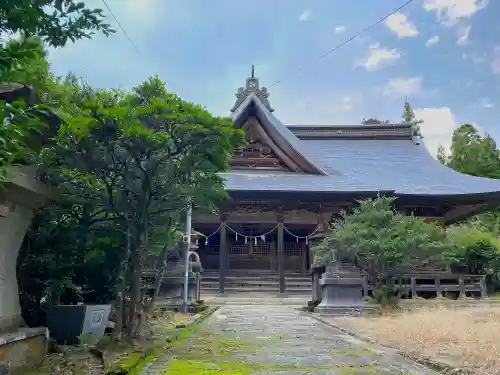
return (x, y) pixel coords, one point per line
(70, 254)
(441, 154)
(476, 251)
(409, 118)
(21, 119)
(55, 21)
(383, 242)
(474, 154)
(134, 160)
(373, 121)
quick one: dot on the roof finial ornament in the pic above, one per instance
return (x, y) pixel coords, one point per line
(252, 87)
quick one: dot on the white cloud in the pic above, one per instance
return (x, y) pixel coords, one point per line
(378, 57)
(463, 35)
(474, 57)
(399, 24)
(495, 64)
(305, 15)
(449, 12)
(403, 87)
(347, 103)
(432, 41)
(437, 127)
(339, 29)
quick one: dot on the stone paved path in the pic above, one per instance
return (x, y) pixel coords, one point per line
(262, 340)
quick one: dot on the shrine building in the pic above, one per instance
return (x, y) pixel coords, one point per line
(289, 182)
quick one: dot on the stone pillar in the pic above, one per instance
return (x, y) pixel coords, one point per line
(482, 284)
(281, 255)
(316, 272)
(341, 289)
(461, 287)
(19, 196)
(222, 254)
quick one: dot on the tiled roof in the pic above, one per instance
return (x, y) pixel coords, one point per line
(356, 159)
(366, 165)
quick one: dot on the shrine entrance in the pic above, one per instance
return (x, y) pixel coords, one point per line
(255, 247)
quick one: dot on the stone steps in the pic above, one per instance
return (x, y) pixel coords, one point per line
(253, 281)
(246, 289)
(249, 280)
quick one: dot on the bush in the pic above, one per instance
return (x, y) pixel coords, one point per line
(476, 251)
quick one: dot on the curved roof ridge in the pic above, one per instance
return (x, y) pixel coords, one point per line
(280, 128)
(437, 164)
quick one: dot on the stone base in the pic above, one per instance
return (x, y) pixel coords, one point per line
(23, 349)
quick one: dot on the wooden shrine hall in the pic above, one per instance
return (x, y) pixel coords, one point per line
(289, 181)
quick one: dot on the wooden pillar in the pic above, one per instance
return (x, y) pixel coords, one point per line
(222, 254)
(281, 254)
(482, 284)
(437, 283)
(413, 287)
(461, 287)
(365, 285)
(272, 255)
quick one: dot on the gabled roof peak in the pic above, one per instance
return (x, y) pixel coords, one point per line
(252, 87)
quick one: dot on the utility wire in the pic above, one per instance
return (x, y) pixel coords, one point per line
(120, 26)
(358, 34)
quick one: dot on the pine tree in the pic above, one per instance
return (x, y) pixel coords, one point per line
(409, 118)
(441, 155)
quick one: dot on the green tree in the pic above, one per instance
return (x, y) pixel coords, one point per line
(141, 156)
(383, 242)
(55, 21)
(22, 113)
(409, 118)
(473, 153)
(476, 251)
(373, 121)
(441, 155)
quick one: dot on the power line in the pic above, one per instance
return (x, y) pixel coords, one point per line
(358, 34)
(120, 26)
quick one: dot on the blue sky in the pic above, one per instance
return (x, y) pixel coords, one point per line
(444, 55)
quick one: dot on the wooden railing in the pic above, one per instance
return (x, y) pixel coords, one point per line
(438, 283)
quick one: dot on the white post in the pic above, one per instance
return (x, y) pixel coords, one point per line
(189, 215)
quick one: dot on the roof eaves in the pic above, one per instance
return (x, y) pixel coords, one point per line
(286, 135)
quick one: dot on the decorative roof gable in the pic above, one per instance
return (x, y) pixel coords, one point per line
(273, 145)
(261, 152)
(252, 87)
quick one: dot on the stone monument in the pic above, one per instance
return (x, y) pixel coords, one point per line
(20, 195)
(341, 288)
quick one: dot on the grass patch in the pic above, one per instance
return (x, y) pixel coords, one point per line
(469, 337)
(167, 332)
(361, 353)
(200, 367)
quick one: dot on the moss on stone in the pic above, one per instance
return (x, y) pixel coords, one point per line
(360, 353)
(200, 367)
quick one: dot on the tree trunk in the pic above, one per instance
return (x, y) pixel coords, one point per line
(122, 284)
(135, 300)
(159, 277)
(135, 292)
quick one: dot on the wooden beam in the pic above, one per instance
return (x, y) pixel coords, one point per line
(281, 254)
(222, 254)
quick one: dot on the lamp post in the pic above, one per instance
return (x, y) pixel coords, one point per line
(187, 242)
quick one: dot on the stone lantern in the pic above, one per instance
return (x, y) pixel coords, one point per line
(341, 289)
(20, 194)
